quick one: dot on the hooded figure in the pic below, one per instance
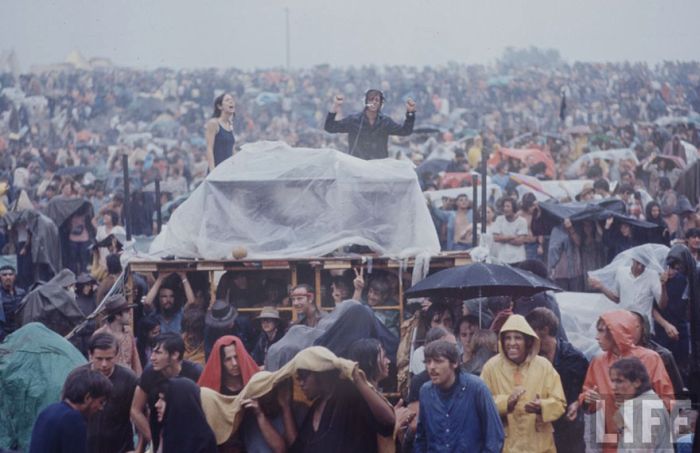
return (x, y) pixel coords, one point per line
(45, 243)
(356, 322)
(621, 325)
(539, 383)
(185, 427)
(680, 290)
(212, 375)
(53, 304)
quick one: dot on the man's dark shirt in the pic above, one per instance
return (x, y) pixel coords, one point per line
(417, 382)
(365, 140)
(572, 366)
(347, 425)
(10, 302)
(456, 167)
(150, 381)
(59, 429)
(110, 431)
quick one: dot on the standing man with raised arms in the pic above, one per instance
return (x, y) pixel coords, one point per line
(369, 131)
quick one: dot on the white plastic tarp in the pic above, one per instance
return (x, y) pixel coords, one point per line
(559, 189)
(579, 316)
(282, 202)
(691, 152)
(492, 191)
(652, 256)
(612, 155)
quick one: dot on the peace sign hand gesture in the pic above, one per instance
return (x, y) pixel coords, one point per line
(358, 283)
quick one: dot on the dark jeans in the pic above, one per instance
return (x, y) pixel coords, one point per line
(570, 284)
(568, 436)
(25, 268)
(531, 251)
(680, 348)
(78, 256)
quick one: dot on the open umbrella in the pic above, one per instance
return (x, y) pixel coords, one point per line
(529, 156)
(481, 280)
(73, 171)
(433, 166)
(580, 129)
(478, 280)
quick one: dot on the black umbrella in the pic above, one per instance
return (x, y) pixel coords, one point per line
(433, 166)
(427, 130)
(73, 171)
(554, 213)
(481, 280)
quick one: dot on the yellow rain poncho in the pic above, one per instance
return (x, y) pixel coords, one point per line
(525, 431)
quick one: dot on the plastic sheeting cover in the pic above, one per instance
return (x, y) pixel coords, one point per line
(34, 363)
(579, 316)
(299, 337)
(283, 202)
(614, 155)
(652, 256)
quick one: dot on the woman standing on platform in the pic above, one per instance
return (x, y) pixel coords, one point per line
(219, 131)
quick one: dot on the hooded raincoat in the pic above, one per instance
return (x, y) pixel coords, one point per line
(525, 431)
(621, 324)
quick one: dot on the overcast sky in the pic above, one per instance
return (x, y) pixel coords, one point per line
(251, 33)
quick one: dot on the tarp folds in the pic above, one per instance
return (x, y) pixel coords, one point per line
(34, 363)
(62, 208)
(652, 256)
(53, 305)
(283, 202)
(599, 210)
(579, 316)
(45, 239)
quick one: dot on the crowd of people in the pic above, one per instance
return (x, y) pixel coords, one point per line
(182, 370)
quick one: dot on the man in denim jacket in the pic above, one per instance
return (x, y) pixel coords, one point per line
(457, 412)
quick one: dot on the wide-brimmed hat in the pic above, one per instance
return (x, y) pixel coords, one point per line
(116, 304)
(587, 188)
(120, 236)
(268, 313)
(221, 314)
(84, 278)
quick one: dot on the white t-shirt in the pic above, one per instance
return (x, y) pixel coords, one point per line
(637, 294)
(417, 364)
(509, 253)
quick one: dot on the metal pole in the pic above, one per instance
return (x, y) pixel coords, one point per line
(159, 215)
(484, 154)
(475, 207)
(127, 197)
(286, 14)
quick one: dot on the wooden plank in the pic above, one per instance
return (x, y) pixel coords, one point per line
(144, 266)
(210, 266)
(337, 264)
(212, 289)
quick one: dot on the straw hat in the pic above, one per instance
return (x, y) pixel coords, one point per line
(268, 313)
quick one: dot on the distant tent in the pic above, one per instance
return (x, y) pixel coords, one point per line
(77, 60)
